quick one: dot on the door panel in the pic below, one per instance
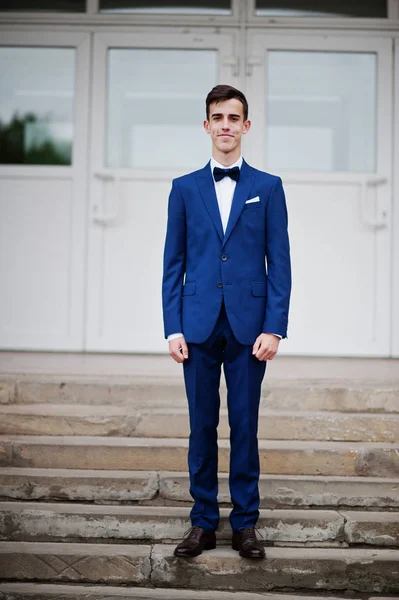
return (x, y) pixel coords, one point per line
(43, 112)
(130, 276)
(323, 112)
(335, 265)
(153, 97)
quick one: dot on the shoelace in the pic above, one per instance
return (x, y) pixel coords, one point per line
(255, 529)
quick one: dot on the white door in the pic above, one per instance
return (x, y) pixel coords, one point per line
(43, 170)
(322, 116)
(148, 108)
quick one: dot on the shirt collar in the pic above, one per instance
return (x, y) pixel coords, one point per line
(214, 164)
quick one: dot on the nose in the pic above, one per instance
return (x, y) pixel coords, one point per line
(225, 124)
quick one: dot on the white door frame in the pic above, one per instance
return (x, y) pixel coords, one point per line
(395, 223)
(77, 172)
(39, 34)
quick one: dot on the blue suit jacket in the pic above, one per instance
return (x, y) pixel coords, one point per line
(202, 265)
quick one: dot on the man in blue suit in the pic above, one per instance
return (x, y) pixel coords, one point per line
(222, 305)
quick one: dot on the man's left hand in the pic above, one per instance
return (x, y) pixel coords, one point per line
(266, 346)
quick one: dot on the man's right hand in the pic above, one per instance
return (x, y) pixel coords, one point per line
(178, 349)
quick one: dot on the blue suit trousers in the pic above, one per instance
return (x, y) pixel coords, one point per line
(244, 374)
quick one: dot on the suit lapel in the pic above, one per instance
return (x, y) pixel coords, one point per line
(208, 194)
(241, 195)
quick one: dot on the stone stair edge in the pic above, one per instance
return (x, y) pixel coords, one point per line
(220, 551)
(129, 380)
(88, 379)
(183, 511)
(47, 409)
(99, 592)
(169, 511)
(65, 440)
(105, 474)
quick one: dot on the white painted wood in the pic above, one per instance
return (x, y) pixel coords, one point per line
(128, 208)
(395, 237)
(393, 9)
(42, 229)
(92, 6)
(341, 300)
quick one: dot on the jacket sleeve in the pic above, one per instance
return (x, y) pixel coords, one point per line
(174, 262)
(278, 263)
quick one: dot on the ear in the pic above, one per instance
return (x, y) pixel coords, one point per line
(246, 127)
(206, 126)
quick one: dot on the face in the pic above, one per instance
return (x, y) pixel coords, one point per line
(226, 125)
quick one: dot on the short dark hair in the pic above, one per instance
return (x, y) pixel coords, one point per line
(225, 92)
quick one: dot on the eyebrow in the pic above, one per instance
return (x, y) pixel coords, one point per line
(221, 115)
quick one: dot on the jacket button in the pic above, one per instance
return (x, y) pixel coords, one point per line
(224, 258)
(220, 284)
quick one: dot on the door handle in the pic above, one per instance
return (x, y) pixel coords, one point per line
(100, 217)
(381, 220)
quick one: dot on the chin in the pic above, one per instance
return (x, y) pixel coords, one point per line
(226, 147)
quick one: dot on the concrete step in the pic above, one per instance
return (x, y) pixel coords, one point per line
(43, 591)
(29, 521)
(286, 491)
(375, 459)
(53, 419)
(48, 591)
(361, 570)
(172, 488)
(157, 392)
(65, 522)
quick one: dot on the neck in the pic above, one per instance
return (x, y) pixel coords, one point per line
(226, 158)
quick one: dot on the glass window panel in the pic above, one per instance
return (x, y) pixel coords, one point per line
(44, 5)
(156, 107)
(36, 105)
(321, 111)
(208, 7)
(323, 8)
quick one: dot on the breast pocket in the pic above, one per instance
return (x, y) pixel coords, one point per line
(252, 205)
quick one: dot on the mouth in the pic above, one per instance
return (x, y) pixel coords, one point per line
(225, 135)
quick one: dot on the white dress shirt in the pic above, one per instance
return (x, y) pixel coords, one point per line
(224, 193)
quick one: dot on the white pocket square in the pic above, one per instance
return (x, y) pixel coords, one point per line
(257, 199)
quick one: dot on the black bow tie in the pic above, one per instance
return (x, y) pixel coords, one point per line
(219, 173)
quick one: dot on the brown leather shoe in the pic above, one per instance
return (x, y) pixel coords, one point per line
(246, 543)
(196, 541)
